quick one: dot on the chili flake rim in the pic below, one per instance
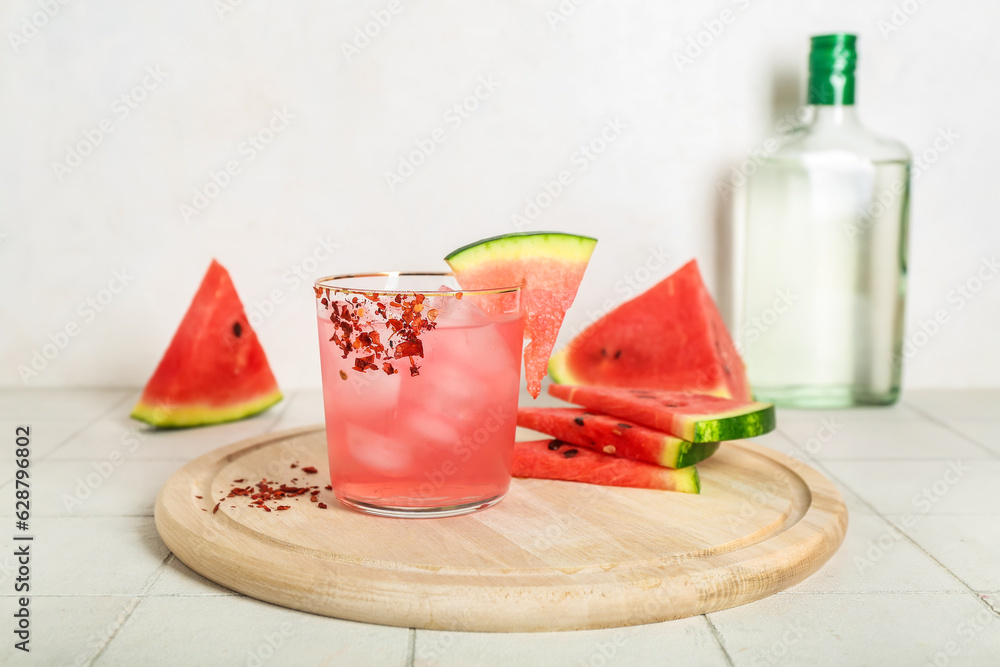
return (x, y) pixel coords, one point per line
(326, 283)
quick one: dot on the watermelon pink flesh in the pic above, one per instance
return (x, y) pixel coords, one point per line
(554, 459)
(548, 265)
(691, 417)
(669, 337)
(214, 369)
(614, 436)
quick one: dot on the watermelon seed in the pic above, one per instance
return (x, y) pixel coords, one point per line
(237, 329)
(343, 375)
(555, 444)
(618, 354)
(570, 453)
(578, 421)
(624, 426)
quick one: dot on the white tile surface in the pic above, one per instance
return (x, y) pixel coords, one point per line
(834, 438)
(637, 646)
(67, 630)
(834, 630)
(969, 546)
(90, 556)
(305, 408)
(100, 487)
(900, 412)
(27, 405)
(986, 433)
(44, 436)
(875, 557)
(979, 404)
(240, 631)
(177, 579)
(137, 441)
(922, 487)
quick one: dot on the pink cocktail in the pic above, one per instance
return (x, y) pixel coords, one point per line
(420, 384)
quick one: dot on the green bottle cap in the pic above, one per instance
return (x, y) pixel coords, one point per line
(831, 69)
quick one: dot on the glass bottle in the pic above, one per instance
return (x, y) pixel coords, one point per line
(826, 230)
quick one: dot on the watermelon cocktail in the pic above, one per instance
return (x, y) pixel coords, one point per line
(420, 386)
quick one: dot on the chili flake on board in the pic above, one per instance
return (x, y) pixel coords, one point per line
(404, 318)
(265, 491)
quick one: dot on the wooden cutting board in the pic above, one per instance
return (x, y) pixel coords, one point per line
(550, 556)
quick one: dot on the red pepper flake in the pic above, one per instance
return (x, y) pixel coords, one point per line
(238, 481)
(386, 366)
(310, 470)
(409, 348)
(198, 497)
(318, 291)
(458, 295)
(282, 508)
(313, 499)
(294, 465)
(216, 508)
(203, 509)
(328, 487)
(322, 506)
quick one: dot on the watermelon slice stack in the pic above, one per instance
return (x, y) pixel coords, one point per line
(658, 381)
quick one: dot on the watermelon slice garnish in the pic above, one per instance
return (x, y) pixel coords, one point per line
(548, 265)
(215, 369)
(691, 417)
(614, 436)
(554, 459)
(669, 337)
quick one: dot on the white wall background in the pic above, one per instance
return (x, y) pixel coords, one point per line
(228, 64)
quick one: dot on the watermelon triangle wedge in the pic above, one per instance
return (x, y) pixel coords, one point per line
(548, 265)
(215, 369)
(691, 417)
(558, 460)
(669, 337)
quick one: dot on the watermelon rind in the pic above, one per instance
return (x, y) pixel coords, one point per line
(572, 247)
(747, 421)
(690, 453)
(559, 368)
(201, 415)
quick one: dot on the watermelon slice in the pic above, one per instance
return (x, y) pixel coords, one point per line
(215, 369)
(549, 266)
(669, 337)
(554, 459)
(692, 417)
(615, 436)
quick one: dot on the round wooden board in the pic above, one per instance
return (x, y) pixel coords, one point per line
(551, 556)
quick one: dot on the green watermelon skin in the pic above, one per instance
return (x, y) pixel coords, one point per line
(214, 369)
(669, 337)
(691, 417)
(614, 436)
(557, 460)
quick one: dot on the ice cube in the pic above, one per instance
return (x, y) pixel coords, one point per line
(378, 452)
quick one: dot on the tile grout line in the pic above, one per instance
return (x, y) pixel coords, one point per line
(918, 546)
(718, 639)
(947, 426)
(411, 647)
(95, 420)
(137, 599)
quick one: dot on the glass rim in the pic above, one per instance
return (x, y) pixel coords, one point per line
(326, 283)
